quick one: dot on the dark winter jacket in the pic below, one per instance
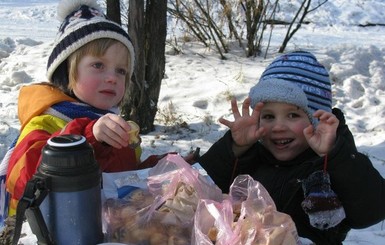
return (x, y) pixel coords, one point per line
(359, 186)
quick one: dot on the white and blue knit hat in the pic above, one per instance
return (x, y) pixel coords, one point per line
(82, 22)
(295, 78)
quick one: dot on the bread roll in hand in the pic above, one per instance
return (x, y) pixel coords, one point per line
(134, 139)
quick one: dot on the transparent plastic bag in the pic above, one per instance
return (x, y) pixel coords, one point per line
(121, 216)
(163, 178)
(248, 216)
(213, 224)
(178, 187)
(162, 213)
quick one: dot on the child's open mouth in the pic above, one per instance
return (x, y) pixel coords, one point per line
(282, 142)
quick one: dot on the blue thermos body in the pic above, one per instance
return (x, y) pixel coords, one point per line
(72, 207)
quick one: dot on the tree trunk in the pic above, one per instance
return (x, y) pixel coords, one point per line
(148, 33)
(156, 32)
(135, 91)
(113, 10)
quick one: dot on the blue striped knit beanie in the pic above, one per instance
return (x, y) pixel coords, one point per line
(295, 78)
(82, 22)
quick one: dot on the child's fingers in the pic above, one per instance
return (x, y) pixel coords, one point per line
(234, 108)
(308, 132)
(257, 110)
(324, 116)
(225, 122)
(245, 107)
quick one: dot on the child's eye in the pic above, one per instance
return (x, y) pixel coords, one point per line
(293, 115)
(122, 71)
(267, 116)
(98, 65)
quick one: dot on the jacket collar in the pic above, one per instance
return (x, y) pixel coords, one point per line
(36, 98)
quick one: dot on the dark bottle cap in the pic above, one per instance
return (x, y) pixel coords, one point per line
(68, 160)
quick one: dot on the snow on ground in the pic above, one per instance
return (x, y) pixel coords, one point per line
(198, 84)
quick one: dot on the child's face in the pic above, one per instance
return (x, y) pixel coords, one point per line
(101, 80)
(284, 125)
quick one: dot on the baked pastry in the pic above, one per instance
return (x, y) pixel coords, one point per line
(133, 133)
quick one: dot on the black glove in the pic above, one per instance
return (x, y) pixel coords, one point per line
(321, 202)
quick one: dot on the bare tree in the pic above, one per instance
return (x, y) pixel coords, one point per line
(254, 12)
(305, 9)
(113, 10)
(207, 22)
(156, 32)
(229, 15)
(245, 20)
(147, 27)
(197, 15)
(135, 91)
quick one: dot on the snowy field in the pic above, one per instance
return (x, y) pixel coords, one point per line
(198, 84)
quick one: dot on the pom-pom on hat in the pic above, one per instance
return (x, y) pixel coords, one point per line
(295, 78)
(82, 22)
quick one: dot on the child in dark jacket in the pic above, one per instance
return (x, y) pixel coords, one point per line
(301, 151)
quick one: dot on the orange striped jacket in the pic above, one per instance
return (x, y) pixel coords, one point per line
(37, 128)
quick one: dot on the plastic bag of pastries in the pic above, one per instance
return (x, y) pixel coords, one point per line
(247, 216)
(164, 212)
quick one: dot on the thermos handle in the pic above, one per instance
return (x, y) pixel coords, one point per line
(35, 192)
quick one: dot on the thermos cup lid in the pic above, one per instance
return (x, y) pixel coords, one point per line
(69, 163)
(66, 140)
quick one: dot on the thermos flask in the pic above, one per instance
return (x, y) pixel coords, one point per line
(72, 207)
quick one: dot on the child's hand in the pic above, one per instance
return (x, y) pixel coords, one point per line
(322, 139)
(245, 129)
(112, 130)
